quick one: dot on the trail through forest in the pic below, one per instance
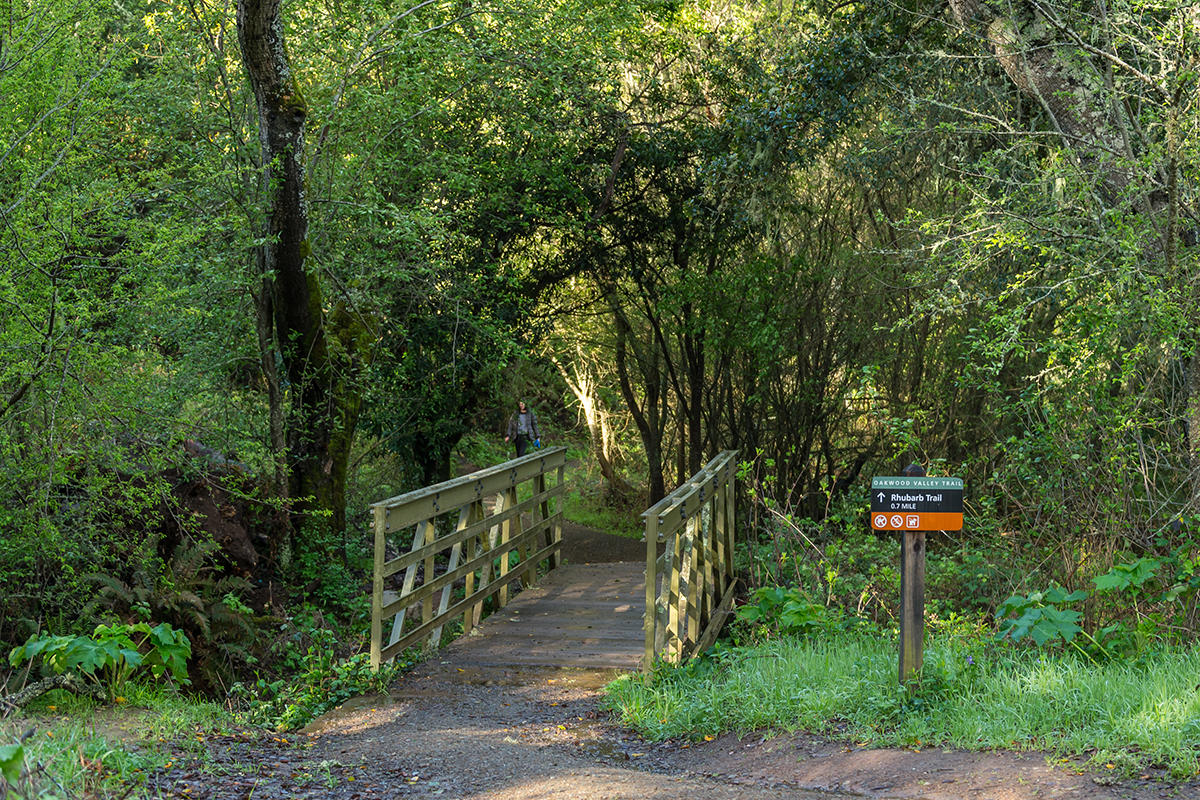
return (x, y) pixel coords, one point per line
(456, 730)
(488, 734)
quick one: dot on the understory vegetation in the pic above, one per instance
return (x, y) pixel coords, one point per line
(75, 746)
(1105, 677)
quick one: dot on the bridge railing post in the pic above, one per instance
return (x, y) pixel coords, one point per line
(652, 576)
(380, 527)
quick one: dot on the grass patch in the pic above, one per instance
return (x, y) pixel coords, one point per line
(587, 501)
(76, 747)
(586, 507)
(971, 695)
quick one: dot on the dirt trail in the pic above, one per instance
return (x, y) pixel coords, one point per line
(512, 734)
(492, 734)
(450, 730)
(461, 731)
(508, 734)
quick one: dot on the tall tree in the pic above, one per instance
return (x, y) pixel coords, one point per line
(321, 351)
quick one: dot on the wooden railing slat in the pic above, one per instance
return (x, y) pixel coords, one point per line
(649, 621)
(448, 578)
(377, 589)
(404, 510)
(462, 534)
(719, 468)
(472, 544)
(479, 596)
(505, 534)
(690, 588)
(471, 549)
(556, 561)
(410, 575)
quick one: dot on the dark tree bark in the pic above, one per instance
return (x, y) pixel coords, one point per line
(320, 355)
(650, 419)
(33, 691)
(1024, 45)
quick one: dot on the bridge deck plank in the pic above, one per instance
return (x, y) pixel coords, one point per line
(580, 615)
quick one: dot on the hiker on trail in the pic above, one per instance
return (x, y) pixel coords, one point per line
(523, 427)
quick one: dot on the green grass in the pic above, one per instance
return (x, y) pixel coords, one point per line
(587, 504)
(971, 695)
(585, 501)
(588, 509)
(76, 747)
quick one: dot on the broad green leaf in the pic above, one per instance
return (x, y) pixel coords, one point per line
(1111, 580)
(12, 761)
(1043, 632)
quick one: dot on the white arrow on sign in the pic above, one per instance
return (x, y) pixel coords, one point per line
(882, 496)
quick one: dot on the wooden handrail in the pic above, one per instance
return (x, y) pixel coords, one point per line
(477, 548)
(690, 588)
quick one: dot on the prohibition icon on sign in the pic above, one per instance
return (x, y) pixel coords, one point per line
(897, 521)
(880, 520)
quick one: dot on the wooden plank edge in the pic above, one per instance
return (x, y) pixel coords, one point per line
(441, 581)
(549, 454)
(709, 472)
(459, 535)
(432, 501)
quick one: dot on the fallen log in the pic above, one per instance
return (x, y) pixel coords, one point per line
(33, 691)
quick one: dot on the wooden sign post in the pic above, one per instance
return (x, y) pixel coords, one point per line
(912, 603)
(913, 504)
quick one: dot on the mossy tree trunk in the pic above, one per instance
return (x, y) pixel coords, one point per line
(321, 353)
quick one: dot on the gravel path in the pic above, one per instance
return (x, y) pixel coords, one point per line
(491, 734)
(506, 734)
(450, 729)
(516, 735)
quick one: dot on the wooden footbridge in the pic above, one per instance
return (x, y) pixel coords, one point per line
(482, 553)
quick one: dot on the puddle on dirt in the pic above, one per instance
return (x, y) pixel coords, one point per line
(603, 750)
(596, 740)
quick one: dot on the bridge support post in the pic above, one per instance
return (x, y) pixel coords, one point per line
(380, 526)
(651, 614)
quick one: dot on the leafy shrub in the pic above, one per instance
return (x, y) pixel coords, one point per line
(12, 762)
(1136, 594)
(1040, 617)
(1130, 578)
(190, 595)
(325, 566)
(775, 610)
(323, 684)
(112, 654)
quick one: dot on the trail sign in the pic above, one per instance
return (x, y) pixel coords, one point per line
(903, 503)
(913, 504)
